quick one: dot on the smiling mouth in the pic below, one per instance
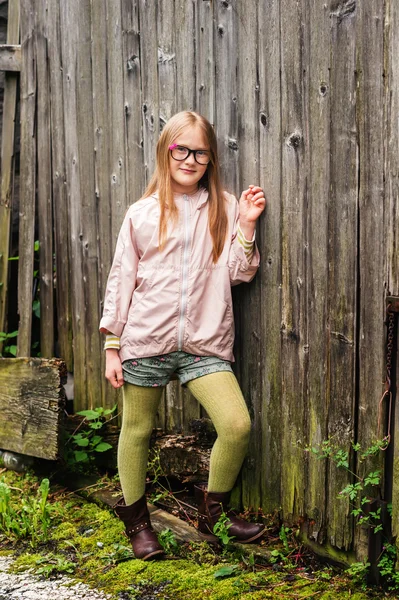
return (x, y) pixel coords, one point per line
(187, 170)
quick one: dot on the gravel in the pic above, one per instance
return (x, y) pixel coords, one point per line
(27, 586)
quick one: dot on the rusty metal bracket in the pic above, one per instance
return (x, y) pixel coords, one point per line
(392, 304)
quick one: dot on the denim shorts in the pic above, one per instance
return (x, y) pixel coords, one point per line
(156, 371)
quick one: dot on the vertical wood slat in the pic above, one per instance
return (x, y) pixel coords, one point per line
(205, 65)
(269, 246)
(7, 161)
(391, 216)
(27, 177)
(133, 100)
(60, 205)
(293, 255)
(249, 295)
(185, 55)
(44, 188)
(317, 261)
(166, 60)
(102, 170)
(88, 227)
(226, 117)
(149, 82)
(70, 17)
(370, 119)
(343, 265)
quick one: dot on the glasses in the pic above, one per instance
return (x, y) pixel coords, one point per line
(202, 157)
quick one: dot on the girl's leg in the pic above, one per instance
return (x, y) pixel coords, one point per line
(220, 395)
(140, 406)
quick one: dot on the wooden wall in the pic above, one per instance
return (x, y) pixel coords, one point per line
(304, 98)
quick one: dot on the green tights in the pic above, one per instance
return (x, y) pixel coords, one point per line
(220, 395)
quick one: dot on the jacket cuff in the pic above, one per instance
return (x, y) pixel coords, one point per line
(110, 325)
(112, 341)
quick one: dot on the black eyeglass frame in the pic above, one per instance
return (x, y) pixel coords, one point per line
(190, 151)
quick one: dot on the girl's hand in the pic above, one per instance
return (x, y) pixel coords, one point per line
(113, 368)
(252, 204)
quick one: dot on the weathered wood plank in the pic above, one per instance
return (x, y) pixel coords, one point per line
(102, 171)
(249, 294)
(69, 19)
(166, 60)
(44, 187)
(149, 83)
(10, 56)
(342, 258)
(226, 117)
(59, 191)
(7, 162)
(317, 262)
(294, 195)
(391, 214)
(133, 101)
(27, 176)
(88, 238)
(205, 65)
(269, 246)
(32, 403)
(185, 55)
(371, 305)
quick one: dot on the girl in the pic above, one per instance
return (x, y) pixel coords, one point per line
(168, 309)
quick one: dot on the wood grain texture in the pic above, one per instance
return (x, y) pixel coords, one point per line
(269, 242)
(371, 306)
(10, 57)
(248, 296)
(69, 20)
(59, 188)
(294, 195)
(318, 133)
(342, 259)
(32, 403)
(44, 185)
(7, 161)
(28, 83)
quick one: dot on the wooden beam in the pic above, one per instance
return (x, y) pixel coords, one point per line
(7, 160)
(32, 403)
(10, 57)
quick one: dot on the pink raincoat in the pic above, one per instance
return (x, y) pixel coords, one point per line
(177, 298)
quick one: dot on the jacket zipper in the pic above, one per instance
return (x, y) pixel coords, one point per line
(184, 285)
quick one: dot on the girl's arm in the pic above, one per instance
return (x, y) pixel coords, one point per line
(121, 280)
(243, 263)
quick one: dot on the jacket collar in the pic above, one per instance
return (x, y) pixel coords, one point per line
(201, 197)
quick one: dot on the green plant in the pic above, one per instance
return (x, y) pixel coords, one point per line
(51, 565)
(88, 442)
(358, 572)
(387, 564)
(27, 518)
(358, 492)
(168, 541)
(8, 349)
(221, 529)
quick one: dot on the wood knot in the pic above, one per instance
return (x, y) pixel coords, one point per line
(294, 140)
(233, 144)
(221, 30)
(323, 89)
(264, 120)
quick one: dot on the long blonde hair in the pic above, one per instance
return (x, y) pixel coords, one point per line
(161, 180)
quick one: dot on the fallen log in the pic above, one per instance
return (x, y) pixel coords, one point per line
(32, 402)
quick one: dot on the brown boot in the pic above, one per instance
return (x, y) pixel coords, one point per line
(138, 528)
(210, 507)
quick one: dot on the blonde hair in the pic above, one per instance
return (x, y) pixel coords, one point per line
(161, 179)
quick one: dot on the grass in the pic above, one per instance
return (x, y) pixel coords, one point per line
(87, 543)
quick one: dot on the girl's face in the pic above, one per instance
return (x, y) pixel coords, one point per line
(187, 173)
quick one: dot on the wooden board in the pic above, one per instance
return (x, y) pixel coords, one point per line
(10, 56)
(28, 83)
(32, 403)
(7, 162)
